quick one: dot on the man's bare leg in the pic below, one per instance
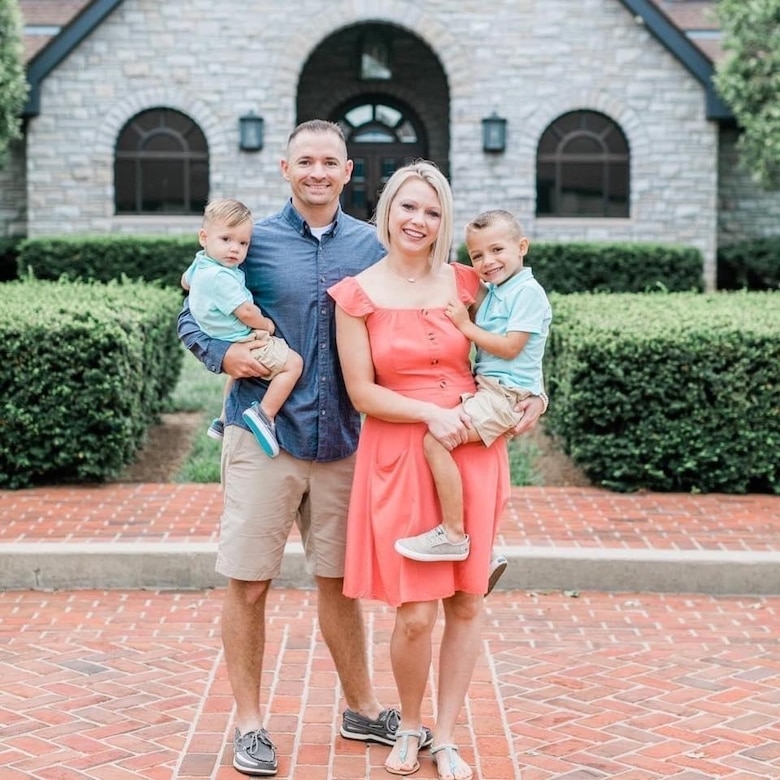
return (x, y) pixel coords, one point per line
(243, 639)
(341, 624)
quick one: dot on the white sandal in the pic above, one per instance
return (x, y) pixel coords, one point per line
(402, 737)
(452, 752)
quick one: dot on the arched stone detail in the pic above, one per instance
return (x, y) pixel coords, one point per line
(115, 119)
(600, 101)
(449, 50)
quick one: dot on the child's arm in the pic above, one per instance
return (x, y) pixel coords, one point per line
(252, 317)
(504, 345)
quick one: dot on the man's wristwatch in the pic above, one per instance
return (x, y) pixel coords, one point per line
(545, 400)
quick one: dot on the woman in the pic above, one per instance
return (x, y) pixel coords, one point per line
(405, 366)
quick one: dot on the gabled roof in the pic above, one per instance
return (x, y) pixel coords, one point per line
(87, 17)
(661, 26)
(686, 28)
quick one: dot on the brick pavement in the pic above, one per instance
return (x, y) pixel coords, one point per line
(633, 686)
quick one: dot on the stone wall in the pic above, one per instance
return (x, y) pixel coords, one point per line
(744, 210)
(13, 193)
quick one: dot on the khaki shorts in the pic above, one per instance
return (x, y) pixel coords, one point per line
(264, 496)
(492, 408)
(273, 354)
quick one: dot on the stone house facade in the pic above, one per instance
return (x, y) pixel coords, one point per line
(613, 130)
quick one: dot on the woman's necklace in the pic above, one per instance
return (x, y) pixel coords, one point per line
(410, 279)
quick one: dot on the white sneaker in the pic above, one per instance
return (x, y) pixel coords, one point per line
(433, 546)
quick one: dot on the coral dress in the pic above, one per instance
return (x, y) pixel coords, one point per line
(421, 354)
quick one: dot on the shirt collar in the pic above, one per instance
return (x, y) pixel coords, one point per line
(301, 225)
(500, 291)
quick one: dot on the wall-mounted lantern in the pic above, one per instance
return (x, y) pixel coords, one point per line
(250, 132)
(494, 133)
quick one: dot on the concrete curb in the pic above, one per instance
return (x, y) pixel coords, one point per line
(190, 566)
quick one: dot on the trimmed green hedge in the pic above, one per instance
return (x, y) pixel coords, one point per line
(9, 251)
(750, 265)
(103, 258)
(677, 392)
(612, 267)
(84, 371)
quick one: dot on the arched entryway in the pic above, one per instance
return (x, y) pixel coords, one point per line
(388, 91)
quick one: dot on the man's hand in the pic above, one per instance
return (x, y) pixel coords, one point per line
(239, 363)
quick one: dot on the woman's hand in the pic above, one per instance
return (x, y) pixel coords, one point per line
(450, 427)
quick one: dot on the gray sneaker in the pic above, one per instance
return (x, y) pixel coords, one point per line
(254, 753)
(433, 546)
(382, 729)
(263, 429)
(216, 430)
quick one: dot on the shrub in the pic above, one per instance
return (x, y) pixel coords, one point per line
(669, 392)
(750, 265)
(84, 370)
(104, 258)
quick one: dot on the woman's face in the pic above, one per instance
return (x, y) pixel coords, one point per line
(414, 218)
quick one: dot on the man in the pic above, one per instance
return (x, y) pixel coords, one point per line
(295, 255)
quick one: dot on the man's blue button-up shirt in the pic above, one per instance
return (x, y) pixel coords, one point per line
(289, 272)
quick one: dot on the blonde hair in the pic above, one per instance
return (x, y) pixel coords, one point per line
(227, 211)
(495, 217)
(431, 175)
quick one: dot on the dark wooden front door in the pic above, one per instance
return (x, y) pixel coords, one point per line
(373, 166)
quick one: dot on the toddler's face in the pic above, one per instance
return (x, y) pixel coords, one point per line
(496, 253)
(227, 245)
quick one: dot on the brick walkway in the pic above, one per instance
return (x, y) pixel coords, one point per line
(635, 686)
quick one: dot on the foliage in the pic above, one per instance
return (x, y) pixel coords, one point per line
(103, 258)
(753, 264)
(13, 82)
(84, 371)
(749, 81)
(674, 392)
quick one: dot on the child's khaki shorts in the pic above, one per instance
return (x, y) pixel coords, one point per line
(273, 354)
(492, 408)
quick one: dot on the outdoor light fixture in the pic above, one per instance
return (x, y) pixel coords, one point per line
(250, 132)
(494, 133)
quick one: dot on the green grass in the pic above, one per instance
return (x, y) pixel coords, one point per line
(198, 390)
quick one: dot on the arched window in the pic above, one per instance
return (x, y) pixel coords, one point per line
(583, 168)
(382, 135)
(161, 165)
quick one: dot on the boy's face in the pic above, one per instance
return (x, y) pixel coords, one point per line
(227, 245)
(496, 252)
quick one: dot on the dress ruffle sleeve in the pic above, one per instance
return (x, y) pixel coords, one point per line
(467, 282)
(349, 295)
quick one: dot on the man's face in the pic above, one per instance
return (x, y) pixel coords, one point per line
(317, 169)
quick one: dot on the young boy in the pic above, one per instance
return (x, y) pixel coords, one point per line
(224, 309)
(510, 331)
